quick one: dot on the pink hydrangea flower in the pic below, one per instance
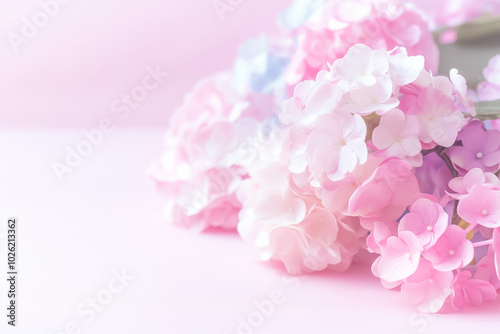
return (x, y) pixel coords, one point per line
(337, 145)
(397, 135)
(337, 25)
(481, 149)
(451, 251)
(400, 258)
(481, 206)
(209, 147)
(470, 291)
(310, 100)
(475, 177)
(405, 69)
(335, 196)
(308, 246)
(387, 194)
(382, 231)
(427, 220)
(439, 119)
(427, 288)
(288, 223)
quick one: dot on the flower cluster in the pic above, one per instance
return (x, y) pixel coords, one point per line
(337, 139)
(353, 167)
(436, 261)
(337, 25)
(213, 138)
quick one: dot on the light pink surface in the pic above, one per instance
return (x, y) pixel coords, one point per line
(106, 216)
(90, 53)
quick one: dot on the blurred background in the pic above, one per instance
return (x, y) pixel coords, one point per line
(90, 52)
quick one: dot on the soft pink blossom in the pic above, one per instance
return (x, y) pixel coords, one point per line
(397, 135)
(439, 119)
(382, 231)
(451, 251)
(400, 258)
(496, 250)
(427, 220)
(470, 291)
(427, 288)
(403, 69)
(362, 65)
(387, 194)
(337, 26)
(337, 145)
(481, 206)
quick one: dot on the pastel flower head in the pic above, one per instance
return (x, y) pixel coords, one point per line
(382, 231)
(439, 119)
(386, 195)
(204, 201)
(470, 291)
(397, 135)
(403, 69)
(400, 258)
(283, 217)
(362, 65)
(337, 26)
(337, 145)
(462, 185)
(335, 196)
(364, 100)
(309, 245)
(427, 220)
(451, 251)
(481, 206)
(427, 288)
(210, 145)
(481, 149)
(311, 99)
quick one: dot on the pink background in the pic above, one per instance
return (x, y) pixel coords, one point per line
(91, 52)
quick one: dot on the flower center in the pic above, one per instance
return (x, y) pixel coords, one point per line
(429, 228)
(407, 255)
(484, 213)
(479, 155)
(452, 252)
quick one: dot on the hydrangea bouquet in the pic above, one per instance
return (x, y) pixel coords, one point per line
(336, 138)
